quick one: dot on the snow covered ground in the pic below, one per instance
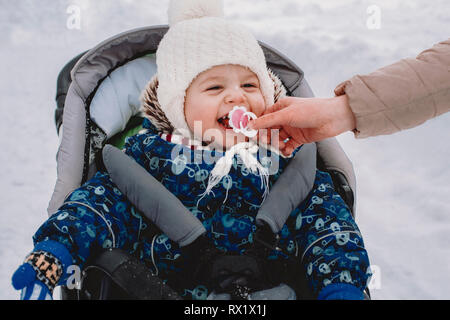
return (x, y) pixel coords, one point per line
(403, 180)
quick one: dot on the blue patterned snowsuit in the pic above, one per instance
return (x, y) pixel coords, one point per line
(97, 215)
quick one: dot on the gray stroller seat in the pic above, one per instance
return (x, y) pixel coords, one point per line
(99, 101)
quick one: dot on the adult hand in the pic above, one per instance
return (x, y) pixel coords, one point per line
(305, 120)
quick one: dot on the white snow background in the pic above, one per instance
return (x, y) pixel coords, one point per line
(403, 180)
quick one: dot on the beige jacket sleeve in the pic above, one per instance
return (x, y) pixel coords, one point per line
(402, 95)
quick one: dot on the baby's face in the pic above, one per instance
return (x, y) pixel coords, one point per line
(213, 94)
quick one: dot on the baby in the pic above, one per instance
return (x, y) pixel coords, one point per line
(207, 66)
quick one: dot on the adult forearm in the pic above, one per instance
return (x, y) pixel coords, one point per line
(402, 95)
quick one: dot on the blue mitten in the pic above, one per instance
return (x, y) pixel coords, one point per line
(42, 270)
(36, 290)
(340, 291)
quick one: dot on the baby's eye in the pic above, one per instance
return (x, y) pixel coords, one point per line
(249, 85)
(214, 88)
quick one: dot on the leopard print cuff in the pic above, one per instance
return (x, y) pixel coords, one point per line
(48, 268)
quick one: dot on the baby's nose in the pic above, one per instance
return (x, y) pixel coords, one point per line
(235, 95)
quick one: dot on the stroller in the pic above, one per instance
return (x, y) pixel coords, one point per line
(98, 103)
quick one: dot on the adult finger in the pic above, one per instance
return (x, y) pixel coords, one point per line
(281, 145)
(273, 116)
(283, 135)
(291, 145)
(340, 89)
(279, 105)
(277, 118)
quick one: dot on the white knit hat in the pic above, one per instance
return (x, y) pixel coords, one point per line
(198, 39)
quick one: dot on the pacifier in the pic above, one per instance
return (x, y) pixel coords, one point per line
(239, 118)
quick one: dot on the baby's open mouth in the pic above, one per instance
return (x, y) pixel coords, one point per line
(225, 122)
